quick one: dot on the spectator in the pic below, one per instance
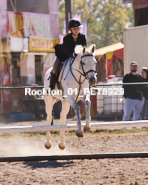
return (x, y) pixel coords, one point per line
(133, 94)
(144, 74)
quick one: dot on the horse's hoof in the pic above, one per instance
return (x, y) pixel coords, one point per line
(86, 129)
(47, 145)
(61, 147)
(79, 134)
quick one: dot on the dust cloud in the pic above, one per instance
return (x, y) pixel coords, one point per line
(22, 146)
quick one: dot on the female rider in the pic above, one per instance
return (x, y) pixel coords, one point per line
(66, 50)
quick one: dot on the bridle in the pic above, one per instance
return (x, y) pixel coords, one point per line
(83, 73)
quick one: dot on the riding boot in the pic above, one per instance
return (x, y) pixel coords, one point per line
(54, 73)
(53, 80)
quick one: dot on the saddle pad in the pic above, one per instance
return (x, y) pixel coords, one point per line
(47, 78)
(62, 71)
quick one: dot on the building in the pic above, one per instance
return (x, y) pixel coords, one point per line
(135, 38)
(140, 11)
(29, 30)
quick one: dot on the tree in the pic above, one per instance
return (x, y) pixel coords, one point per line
(61, 14)
(106, 19)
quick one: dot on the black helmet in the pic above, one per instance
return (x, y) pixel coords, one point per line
(74, 23)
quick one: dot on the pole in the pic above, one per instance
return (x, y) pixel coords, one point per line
(106, 68)
(97, 125)
(68, 12)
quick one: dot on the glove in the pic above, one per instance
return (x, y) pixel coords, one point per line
(74, 54)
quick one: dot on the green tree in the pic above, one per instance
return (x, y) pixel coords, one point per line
(106, 19)
(61, 13)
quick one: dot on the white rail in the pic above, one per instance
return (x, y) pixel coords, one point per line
(98, 125)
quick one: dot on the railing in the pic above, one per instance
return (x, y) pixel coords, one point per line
(106, 104)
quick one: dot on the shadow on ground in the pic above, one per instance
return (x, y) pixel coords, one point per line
(48, 164)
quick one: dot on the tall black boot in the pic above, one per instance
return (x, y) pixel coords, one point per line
(53, 80)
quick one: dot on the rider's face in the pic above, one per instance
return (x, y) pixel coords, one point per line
(75, 30)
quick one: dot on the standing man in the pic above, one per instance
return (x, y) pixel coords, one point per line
(133, 94)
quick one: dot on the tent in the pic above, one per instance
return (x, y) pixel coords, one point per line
(109, 61)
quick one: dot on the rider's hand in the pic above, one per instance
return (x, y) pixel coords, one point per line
(74, 54)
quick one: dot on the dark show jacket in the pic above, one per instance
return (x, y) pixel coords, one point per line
(70, 44)
(133, 91)
(145, 89)
(66, 50)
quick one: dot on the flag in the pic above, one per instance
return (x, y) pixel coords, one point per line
(84, 28)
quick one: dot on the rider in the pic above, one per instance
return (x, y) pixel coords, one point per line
(66, 50)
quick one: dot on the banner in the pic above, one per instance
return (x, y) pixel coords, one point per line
(42, 44)
(18, 24)
(5, 74)
(3, 4)
(54, 25)
(22, 24)
(39, 25)
(84, 28)
(3, 17)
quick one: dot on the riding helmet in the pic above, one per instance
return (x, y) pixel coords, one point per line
(74, 23)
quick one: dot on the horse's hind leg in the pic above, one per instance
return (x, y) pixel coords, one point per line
(63, 114)
(49, 101)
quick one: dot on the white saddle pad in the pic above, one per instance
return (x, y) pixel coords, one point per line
(47, 78)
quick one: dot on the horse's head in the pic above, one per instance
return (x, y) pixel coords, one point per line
(88, 63)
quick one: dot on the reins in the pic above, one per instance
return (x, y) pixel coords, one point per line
(85, 73)
(81, 74)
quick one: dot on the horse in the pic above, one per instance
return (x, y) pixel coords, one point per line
(76, 77)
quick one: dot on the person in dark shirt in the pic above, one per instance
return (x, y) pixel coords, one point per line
(66, 50)
(133, 94)
(144, 74)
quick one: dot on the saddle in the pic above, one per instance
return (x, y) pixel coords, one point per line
(60, 73)
(60, 68)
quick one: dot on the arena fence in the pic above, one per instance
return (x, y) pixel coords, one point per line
(75, 157)
(69, 127)
(107, 104)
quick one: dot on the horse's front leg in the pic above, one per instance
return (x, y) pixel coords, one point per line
(49, 101)
(87, 103)
(76, 108)
(63, 114)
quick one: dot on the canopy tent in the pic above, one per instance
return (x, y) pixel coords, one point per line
(108, 49)
(110, 58)
(113, 56)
